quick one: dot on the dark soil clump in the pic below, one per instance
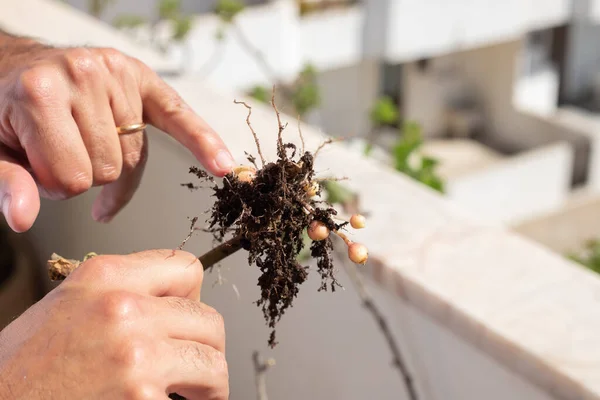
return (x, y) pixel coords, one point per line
(269, 215)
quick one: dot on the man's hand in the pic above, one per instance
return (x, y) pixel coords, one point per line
(119, 327)
(59, 109)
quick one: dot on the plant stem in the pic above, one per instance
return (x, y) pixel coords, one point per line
(59, 267)
(220, 252)
(260, 370)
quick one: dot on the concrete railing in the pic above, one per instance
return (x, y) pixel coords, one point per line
(480, 312)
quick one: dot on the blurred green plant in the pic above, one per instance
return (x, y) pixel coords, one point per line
(128, 21)
(303, 94)
(260, 93)
(167, 10)
(589, 257)
(97, 7)
(227, 10)
(408, 161)
(384, 112)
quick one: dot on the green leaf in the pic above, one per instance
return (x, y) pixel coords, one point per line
(169, 9)
(368, 149)
(227, 10)
(337, 193)
(384, 112)
(260, 93)
(182, 27)
(97, 7)
(306, 94)
(128, 21)
(589, 257)
(411, 140)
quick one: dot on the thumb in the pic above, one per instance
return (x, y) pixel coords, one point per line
(19, 196)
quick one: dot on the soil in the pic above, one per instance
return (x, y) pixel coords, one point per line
(269, 215)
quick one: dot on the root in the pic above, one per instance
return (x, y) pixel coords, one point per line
(260, 154)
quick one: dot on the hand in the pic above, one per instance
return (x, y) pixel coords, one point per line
(59, 109)
(119, 327)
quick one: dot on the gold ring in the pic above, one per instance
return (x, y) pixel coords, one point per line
(133, 128)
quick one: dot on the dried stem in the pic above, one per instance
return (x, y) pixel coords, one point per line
(301, 136)
(260, 373)
(325, 143)
(367, 302)
(331, 179)
(280, 127)
(262, 158)
(59, 267)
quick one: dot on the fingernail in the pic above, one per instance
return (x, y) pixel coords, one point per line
(224, 160)
(99, 215)
(6, 204)
(105, 219)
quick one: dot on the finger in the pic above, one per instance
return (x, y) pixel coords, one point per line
(94, 118)
(19, 197)
(127, 109)
(196, 371)
(159, 273)
(166, 110)
(185, 319)
(48, 133)
(116, 195)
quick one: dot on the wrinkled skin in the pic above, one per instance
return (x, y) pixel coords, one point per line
(59, 109)
(119, 327)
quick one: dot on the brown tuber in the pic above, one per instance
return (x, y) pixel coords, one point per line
(358, 253)
(318, 231)
(244, 173)
(357, 221)
(312, 188)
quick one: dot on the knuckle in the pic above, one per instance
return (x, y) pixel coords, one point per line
(130, 355)
(173, 103)
(215, 318)
(134, 159)
(81, 65)
(118, 307)
(37, 85)
(106, 173)
(98, 269)
(140, 391)
(76, 183)
(114, 60)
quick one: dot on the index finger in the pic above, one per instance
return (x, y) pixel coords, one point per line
(159, 273)
(165, 109)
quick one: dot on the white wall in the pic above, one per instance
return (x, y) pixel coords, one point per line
(489, 75)
(537, 93)
(429, 28)
(567, 229)
(516, 188)
(332, 39)
(347, 95)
